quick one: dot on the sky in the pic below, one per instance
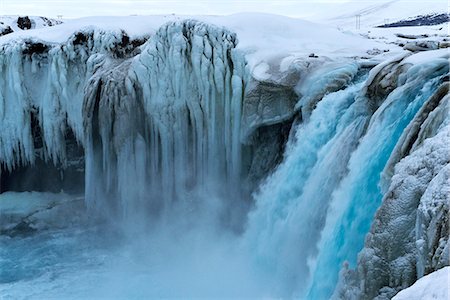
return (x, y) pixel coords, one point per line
(81, 8)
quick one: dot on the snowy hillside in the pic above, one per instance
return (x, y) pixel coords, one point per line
(375, 13)
(9, 24)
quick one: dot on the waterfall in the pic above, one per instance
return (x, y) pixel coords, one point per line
(312, 214)
(167, 123)
(170, 132)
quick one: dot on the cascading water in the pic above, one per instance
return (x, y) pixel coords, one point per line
(289, 213)
(354, 203)
(312, 214)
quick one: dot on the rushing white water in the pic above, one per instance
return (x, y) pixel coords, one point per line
(289, 215)
(314, 211)
(355, 201)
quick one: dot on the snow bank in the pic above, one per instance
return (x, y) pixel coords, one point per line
(9, 24)
(433, 286)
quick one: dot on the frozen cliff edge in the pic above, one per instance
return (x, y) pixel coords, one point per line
(68, 87)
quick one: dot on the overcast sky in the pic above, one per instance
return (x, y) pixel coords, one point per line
(80, 8)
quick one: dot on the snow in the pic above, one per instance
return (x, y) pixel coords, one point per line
(262, 37)
(433, 286)
(11, 22)
(428, 56)
(266, 39)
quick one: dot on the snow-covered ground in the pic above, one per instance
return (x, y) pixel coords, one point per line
(9, 24)
(272, 40)
(434, 286)
(262, 37)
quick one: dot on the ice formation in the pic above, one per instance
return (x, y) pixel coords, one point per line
(349, 155)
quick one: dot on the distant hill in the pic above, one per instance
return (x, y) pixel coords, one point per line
(426, 20)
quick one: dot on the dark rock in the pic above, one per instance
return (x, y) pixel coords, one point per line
(421, 46)
(266, 152)
(6, 30)
(38, 48)
(374, 51)
(81, 38)
(426, 20)
(411, 36)
(444, 45)
(24, 23)
(266, 104)
(50, 22)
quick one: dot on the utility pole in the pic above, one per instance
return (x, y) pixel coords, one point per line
(358, 22)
